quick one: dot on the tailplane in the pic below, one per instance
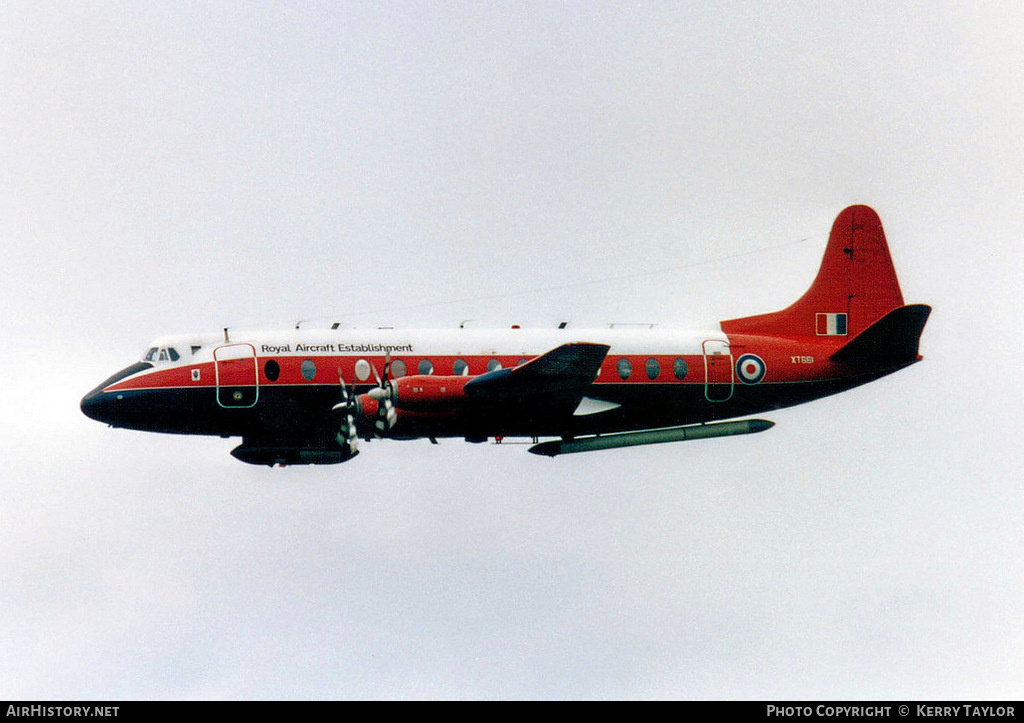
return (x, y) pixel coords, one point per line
(856, 286)
(890, 341)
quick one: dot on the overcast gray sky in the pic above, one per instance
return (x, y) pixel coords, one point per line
(169, 167)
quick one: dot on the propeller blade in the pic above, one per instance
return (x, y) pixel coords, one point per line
(346, 436)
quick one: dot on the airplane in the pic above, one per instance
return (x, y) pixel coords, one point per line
(308, 396)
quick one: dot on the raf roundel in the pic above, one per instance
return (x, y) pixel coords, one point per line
(750, 368)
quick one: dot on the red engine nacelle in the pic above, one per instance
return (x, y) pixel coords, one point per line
(418, 396)
(428, 393)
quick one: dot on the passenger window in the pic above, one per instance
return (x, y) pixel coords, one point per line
(397, 369)
(493, 365)
(625, 369)
(426, 367)
(308, 370)
(679, 369)
(653, 369)
(460, 368)
(272, 369)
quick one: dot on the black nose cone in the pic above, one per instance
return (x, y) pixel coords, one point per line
(100, 405)
(95, 406)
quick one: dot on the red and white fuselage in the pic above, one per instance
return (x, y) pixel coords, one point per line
(306, 395)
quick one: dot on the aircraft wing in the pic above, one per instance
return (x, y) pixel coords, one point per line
(561, 377)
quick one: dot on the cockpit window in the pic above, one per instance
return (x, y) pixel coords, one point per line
(161, 354)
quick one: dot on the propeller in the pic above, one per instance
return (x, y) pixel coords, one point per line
(347, 436)
(384, 394)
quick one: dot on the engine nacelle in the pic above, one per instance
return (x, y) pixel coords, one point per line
(411, 399)
(427, 393)
(421, 393)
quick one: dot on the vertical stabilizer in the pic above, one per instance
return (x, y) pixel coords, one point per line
(855, 286)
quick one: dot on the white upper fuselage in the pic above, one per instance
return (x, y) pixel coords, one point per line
(441, 343)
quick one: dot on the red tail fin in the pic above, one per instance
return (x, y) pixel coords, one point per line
(855, 286)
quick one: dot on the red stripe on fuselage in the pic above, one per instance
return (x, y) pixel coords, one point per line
(786, 360)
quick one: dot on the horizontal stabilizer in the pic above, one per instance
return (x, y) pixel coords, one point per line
(891, 340)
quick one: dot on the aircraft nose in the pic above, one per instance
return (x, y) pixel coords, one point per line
(98, 405)
(95, 406)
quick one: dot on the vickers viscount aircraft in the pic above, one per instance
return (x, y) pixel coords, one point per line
(307, 396)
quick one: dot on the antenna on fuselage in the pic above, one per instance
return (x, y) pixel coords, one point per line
(226, 339)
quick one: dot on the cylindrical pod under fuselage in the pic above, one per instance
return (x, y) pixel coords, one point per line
(654, 436)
